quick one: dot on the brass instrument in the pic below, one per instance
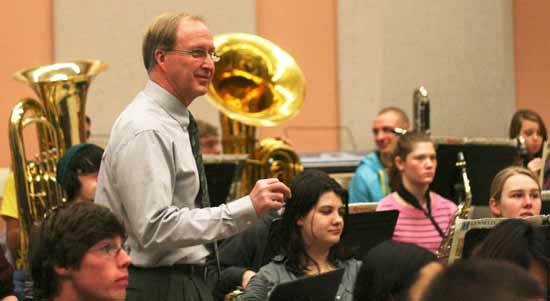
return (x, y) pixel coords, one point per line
(59, 119)
(256, 83)
(463, 212)
(275, 159)
(421, 110)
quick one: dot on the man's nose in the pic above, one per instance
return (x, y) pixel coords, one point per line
(123, 259)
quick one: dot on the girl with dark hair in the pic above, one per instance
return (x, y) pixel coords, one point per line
(424, 215)
(529, 125)
(77, 171)
(515, 193)
(308, 238)
(395, 271)
(519, 242)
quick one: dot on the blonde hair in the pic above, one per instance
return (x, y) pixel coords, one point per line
(497, 186)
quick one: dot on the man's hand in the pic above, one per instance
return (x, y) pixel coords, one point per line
(268, 194)
(247, 275)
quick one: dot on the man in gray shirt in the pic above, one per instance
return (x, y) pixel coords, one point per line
(152, 176)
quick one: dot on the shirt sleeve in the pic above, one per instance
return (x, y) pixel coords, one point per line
(9, 203)
(144, 178)
(258, 288)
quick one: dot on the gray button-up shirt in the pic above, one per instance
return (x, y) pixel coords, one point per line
(149, 177)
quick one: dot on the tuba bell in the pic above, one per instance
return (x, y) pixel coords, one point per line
(59, 120)
(256, 83)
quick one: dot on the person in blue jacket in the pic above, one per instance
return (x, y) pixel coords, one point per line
(370, 182)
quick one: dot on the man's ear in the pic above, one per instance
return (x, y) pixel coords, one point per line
(300, 222)
(494, 207)
(160, 57)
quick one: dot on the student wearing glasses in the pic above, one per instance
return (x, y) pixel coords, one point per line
(152, 173)
(76, 254)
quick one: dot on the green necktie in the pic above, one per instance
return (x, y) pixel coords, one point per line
(202, 200)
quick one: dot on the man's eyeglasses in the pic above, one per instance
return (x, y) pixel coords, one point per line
(198, 53)
(109, 249)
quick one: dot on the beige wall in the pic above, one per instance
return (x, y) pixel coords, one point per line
(357, 55)
(27, 41)
(309, 35)
(112, 32)
(532, 46)
(462, 51)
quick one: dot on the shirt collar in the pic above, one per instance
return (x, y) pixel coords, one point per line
(175, 108)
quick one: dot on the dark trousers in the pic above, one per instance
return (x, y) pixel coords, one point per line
(174, 283)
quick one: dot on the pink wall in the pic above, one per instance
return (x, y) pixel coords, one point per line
(28, 41)
(309, 35)
(532, 56)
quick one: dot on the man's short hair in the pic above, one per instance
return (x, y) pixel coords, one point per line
(400, 114)
(64, 237)
(483, 279)
(161, 34)
(206, 129)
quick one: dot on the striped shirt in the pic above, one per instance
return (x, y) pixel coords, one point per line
(413, 226)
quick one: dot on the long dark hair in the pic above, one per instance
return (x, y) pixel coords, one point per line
(517, 120)
(405, 145)
(306, 190)
(389, 270)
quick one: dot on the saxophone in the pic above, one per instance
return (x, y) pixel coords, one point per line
(463, 211)
(421, 110)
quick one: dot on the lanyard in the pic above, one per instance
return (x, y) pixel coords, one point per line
(411, 199)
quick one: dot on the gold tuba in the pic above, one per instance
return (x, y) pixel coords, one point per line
(59, 120)
(256, 83)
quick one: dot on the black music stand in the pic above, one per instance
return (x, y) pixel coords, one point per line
(367, 229)
(223, 173)
(475, 237)
(309, 288)
(483, 160)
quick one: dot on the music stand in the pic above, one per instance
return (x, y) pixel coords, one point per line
(223, 174)
(484, 158)
(367, 229)
(469, 233)
(321, 287)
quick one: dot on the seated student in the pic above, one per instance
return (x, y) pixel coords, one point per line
(77, 254)
(424, 215)
(77, 175)
(370, 183)
(241, 256)
(209, 138)
(529, 125)
(395, 271)
(472, 280)
(309, 238)
(521, 243)
(515, 193)
(77, 171)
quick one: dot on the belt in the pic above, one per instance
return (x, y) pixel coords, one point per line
(187, 269)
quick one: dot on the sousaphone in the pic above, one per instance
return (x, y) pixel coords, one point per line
(256, 83)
